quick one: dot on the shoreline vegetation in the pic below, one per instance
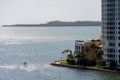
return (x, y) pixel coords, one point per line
(90, 58)
(61, 63)
(58, 23)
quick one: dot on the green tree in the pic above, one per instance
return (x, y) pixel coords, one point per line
(70, 56)
(68, 51)
(99, 55)
(99, 58)
(81, 58)
(71, 59)
(87, 49)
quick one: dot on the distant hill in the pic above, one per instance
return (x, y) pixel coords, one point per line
(61, 23)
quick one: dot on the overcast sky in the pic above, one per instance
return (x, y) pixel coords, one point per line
(41, 11)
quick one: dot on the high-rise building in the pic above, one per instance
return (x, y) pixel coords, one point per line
(111, 30)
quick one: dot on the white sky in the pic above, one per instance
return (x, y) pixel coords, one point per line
(41, 11)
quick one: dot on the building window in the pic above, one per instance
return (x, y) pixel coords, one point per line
(110, 50)
(119, 32)
(82, 47)
(110, 55)
(112, 44)
(119, 23)
(119, 58)
(119, 37)
(119, 44)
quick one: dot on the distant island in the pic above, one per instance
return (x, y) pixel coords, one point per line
(59, 23)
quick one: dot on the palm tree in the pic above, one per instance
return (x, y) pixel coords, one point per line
(67, 51)
(63, 52)
(70, 51)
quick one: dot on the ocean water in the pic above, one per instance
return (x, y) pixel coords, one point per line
(39, 46)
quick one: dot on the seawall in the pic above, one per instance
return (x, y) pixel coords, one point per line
(86, 68)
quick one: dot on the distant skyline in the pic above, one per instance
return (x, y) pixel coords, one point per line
(42, 11)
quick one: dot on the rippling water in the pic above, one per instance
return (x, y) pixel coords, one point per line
(39, 46)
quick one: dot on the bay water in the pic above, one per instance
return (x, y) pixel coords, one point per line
(40, 46)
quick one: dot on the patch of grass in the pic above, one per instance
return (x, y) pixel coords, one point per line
(63, 62)
(97, 67)
(94, 67)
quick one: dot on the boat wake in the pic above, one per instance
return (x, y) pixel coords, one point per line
(8, 67)
(29, 68)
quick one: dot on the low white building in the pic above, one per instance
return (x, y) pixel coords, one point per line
(79, 46)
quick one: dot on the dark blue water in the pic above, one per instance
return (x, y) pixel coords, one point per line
(39, 46)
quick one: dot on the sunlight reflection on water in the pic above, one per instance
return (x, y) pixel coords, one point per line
(39, 47)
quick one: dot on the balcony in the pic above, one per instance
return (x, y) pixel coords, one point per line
(111, 33)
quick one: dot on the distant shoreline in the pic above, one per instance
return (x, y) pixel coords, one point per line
(50, 26)
(58, 24)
